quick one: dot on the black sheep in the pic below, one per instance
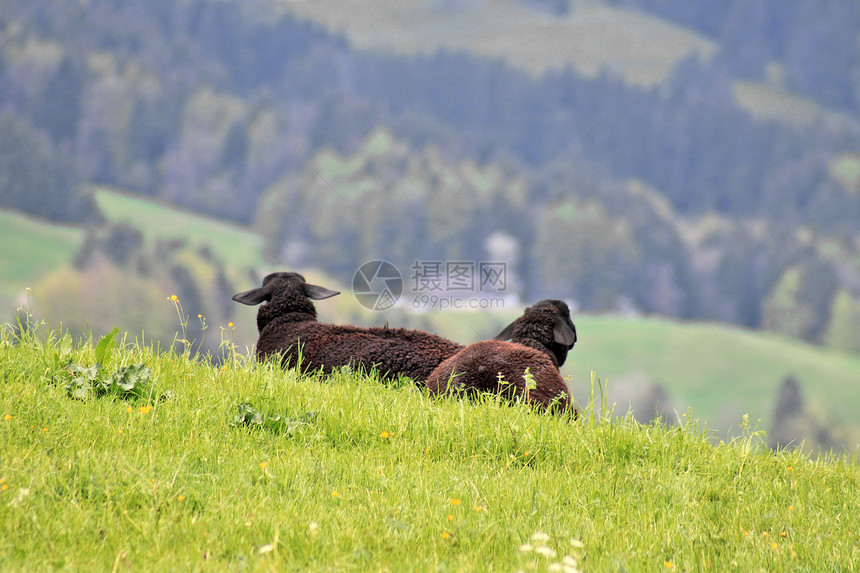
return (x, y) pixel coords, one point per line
(539, 342)
(288, 327)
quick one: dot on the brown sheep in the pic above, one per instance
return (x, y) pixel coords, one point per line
(288, 327)
(540, 340)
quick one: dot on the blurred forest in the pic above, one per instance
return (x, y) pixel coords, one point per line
(671, 199)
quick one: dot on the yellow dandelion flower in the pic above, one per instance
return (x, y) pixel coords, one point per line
(427, 450)
(746, 533)
(478, 508)
(120, 431)
(7, 417)
(793, 553)
(765, 534)
(5, 486)
(450, 517)
(335, 493)
(129, 409)
(668, 565)
(784, 534)
(789, 468)
(264, 465)
(199, 316)
(2, 480)
(174, 298)
(790, 508)
(454, 501)
(446, 535)
(44, 429)
(384, 435)
(145, 409)
(180, 498)
(774, 545)
(229, 325)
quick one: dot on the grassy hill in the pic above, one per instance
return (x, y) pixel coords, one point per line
(722, 372)
(641, 48)
(29, 248)
(356, 475)
(234, 245)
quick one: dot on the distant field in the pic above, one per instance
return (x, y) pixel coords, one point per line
(643, 49)
(721, 371)
(29, 248)
(232, 244)
(767, 102)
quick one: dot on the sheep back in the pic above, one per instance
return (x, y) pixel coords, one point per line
(392, 351)
(477, 367)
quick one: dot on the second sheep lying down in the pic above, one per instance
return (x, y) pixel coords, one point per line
(539, 342)
(288, 327)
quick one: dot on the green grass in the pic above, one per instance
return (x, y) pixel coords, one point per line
(30, 248)
(234, 245)
(383, 478)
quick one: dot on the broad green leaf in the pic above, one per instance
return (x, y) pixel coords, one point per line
(104, 348)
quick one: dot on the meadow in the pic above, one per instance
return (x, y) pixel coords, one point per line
(236, 246)
(31, 248)
(181, 465)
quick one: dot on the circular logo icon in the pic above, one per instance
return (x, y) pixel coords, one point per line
(377, 285)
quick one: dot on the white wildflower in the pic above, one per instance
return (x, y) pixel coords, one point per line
(540, 538)
(546, 551)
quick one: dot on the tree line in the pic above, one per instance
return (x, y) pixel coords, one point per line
(216, 105)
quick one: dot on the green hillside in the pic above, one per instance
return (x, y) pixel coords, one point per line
(232, 244)
(30, 248)
(721, 372)
(642, 48)
(344, 473)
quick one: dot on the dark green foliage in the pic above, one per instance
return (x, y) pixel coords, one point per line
(216, 106)
(38, 177)
(250, 416)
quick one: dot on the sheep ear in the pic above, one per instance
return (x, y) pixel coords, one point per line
(253, 296)
(564, 332)
(506, 333)
(316, 292)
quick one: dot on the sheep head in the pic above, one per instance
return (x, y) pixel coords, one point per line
(545, 325)
(283, 293)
